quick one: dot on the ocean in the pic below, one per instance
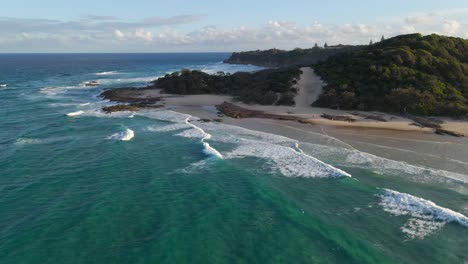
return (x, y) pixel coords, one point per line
(81, 186)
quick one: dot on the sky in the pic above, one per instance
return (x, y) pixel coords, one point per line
(28, 26)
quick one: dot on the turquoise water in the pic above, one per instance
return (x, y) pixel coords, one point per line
(72, 192)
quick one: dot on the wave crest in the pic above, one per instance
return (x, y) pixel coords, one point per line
(425, 216)
(126, 135)
(106, 73)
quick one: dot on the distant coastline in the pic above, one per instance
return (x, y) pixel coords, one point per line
(293, 92)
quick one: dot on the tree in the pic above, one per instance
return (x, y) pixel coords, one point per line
(371, 42)
(326, 45)
(383, 38)
(316, 45)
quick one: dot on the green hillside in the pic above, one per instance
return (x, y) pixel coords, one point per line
(283, 58)
(425, 75)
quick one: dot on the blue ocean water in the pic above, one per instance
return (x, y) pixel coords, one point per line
(71, 191)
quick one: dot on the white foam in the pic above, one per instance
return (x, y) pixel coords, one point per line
(37, 141)
(85, 104)
(55, 90)
(192, 133)
(29, 141)
(168, 128)
(62, 104)
(126, 135)
(210, 151)
(99, 113)
(282, 154)
(127, 80)
(165, 115)
(207, 149)
(3, 85)
(356, 158)
(425, 216)
(77, 113)
(107, 73)
(286, 160)
(214, 68)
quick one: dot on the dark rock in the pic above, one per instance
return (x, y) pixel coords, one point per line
(443, 132)
(129, 107)
(339, 117)
(92, 83)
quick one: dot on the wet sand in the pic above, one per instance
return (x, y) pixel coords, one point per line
(397, 139)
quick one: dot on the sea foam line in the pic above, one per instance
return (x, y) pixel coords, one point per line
(107, 73)
(278, 151)
(207, 149)
(426, 217)
(355, 158)
(342, 172)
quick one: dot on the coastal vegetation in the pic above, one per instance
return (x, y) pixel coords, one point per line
(425, 75)
(282, 58)
(267, 87)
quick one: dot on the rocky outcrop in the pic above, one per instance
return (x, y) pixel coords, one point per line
(345, 118)
(130, 95)
(92, 83)
(235, 111)
(129, 107)
(443, 132)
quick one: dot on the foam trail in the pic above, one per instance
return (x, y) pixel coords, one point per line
(26, 141)
(3, 85)
(106, 73)
(126, 135)
(343, 173)
(359, 159)
(85, 104)
(278, 151)
(208, 150)
(425, 216)
(77, 113)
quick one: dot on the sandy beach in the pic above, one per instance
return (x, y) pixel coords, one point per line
(397, 139)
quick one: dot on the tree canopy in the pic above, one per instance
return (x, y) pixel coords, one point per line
(282, 58)
(417, 74)
(268, 87)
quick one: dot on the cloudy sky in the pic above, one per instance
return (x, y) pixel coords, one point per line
(187, 26)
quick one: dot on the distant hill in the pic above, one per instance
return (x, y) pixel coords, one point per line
(281, 58)
(425, 75)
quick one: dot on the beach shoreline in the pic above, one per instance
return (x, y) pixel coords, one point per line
(397, 139)
(406, 139)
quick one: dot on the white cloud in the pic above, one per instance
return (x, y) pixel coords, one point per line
(407, 29)
(451, 27)
(164, 34)
(119, 34)
(143, 35)
(426, 18)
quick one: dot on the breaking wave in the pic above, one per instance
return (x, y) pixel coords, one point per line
(77, 113)
(282, 154)
(425, 216)
(228, 68)
(107, 73)
(207, 149)
(355, 158)
(126, 135)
